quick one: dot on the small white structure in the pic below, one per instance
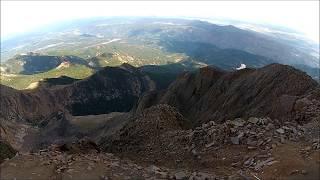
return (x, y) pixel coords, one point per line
(242, 66)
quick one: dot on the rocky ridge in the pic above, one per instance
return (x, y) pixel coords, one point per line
(215, 95)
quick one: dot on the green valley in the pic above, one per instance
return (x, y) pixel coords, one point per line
(20, 81)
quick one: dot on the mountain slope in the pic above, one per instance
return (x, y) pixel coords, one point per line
(213, 94)
(227, 59)
(230, 37)
(163, 75)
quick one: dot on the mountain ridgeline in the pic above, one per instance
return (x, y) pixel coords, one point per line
(208, 94)
(212, 94)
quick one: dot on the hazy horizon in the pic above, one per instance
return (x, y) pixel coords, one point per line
(296, 15)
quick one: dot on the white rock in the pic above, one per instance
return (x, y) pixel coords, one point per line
(280, 131)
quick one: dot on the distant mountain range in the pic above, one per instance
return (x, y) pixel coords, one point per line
(101, 42)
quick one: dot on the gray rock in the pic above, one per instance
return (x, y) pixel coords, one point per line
(294, 172)
(316, 145)
(194, 152)
(209, 145)
(260, 164)
(201, 176)
(249, 162)
(286, 128)
(162, 174)
(211, 123)
(271, 162)
(251, 142)
(308, 148)
(280, 131)
(238, 122)
(253, 120)
(263, 121)
(294, 130)
(154, 169)
(269, 126)
(180, 175)
(240, 135)
(260, 142)
(234, 140)
(251, 147)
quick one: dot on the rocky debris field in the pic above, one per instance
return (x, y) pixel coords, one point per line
(255, 133)
(159, 144)
(71, 162)
(259, 134)
(257, 148)
(239, 147)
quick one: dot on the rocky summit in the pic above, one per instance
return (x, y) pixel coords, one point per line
(207, 124)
